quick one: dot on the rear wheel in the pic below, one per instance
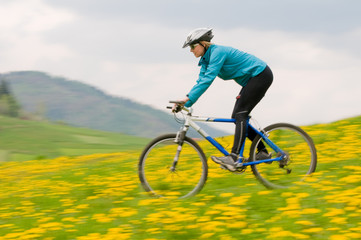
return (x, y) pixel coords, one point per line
(156, 172)
(299, 161)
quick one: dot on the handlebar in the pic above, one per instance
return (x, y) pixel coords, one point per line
(179, 106)
(177, 102)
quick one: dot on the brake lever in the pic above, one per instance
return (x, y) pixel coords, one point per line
(179, 106)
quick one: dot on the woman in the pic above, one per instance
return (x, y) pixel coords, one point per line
(228, 63)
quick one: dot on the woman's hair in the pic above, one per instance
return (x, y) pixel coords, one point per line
(206, 44)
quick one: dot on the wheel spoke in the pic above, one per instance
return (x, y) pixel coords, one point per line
(157, 176)
(299, 161)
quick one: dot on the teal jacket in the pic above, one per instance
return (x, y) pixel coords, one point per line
(227, 63)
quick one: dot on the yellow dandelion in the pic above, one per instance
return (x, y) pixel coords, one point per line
(35, 230)
(212, 212)
(226, 194)
(264, 192)
(82, 206)
(351, 179)
(353, 235)
(226, 237)
(280, 234)
(146, 202)
(239, 224)
(286, 194)
(102, 218)
(247, 231)
(45, 219)
(310, 211)
(198, 204)
(300, 236)
(276, 229)
(334, 212)
(312, 230)
(206, 235)
(339, 220)
(304, 222)
(302, 195)
(338, 237)
(153, 230)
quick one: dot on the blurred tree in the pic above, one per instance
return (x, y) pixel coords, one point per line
(4, 89)
(9, 106)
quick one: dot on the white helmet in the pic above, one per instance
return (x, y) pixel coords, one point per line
(197, 35)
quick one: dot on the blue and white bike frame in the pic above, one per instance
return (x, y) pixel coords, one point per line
(190, 121)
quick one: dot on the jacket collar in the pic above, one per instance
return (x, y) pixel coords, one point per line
(205, 58)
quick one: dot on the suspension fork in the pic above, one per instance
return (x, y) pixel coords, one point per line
(181, 134)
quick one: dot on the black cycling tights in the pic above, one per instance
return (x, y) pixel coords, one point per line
(247, 99)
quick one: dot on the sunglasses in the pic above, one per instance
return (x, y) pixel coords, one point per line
(193, 46)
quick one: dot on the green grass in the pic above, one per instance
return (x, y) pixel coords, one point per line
(98, 196)
(25, 140)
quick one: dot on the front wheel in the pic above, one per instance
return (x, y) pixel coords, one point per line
(160, 176)
(299, 157)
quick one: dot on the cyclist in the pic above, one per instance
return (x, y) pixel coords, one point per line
(228, 63)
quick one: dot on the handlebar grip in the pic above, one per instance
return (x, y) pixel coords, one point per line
(177, 102)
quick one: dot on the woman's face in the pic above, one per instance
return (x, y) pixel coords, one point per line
(197, 50)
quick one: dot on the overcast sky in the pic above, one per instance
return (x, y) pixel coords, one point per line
(132, 49)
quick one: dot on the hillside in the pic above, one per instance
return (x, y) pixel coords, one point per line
(78, 104)
(22, 140)
(98, 196)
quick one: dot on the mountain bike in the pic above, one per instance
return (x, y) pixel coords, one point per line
(174, 165)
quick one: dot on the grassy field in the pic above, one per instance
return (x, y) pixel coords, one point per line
(25, 140)
(98, 196)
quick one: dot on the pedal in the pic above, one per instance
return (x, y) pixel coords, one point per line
(238, 165)
(240, 168)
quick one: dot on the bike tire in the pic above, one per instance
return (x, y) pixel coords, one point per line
(154, 168)
(300, 163)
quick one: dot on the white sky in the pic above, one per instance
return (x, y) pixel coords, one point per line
(132, 49)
